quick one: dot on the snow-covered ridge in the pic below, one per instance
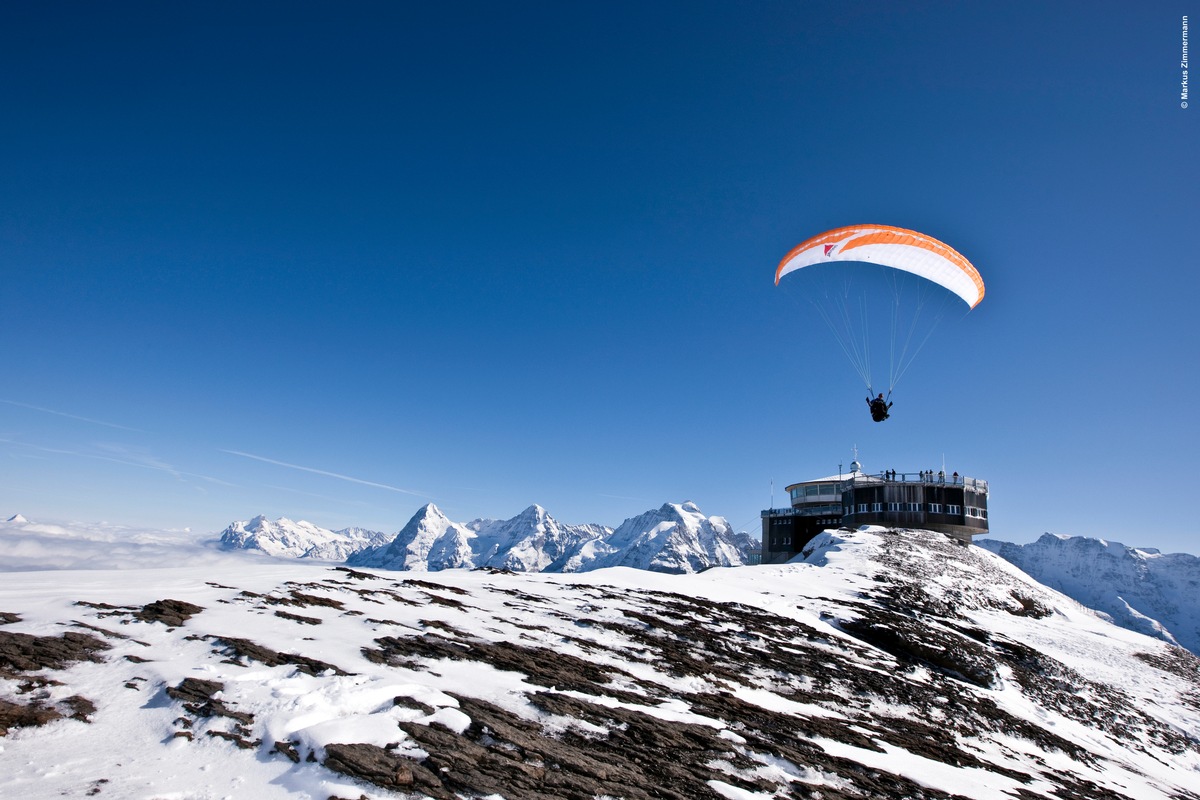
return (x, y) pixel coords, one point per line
(1138, 588)
(880, 664)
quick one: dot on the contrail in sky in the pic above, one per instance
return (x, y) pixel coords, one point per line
(71, 416)
(323, 472)
(131, 459)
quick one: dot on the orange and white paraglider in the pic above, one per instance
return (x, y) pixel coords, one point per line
(921, 272)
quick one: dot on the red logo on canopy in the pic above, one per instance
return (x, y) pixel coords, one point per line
(829, 248)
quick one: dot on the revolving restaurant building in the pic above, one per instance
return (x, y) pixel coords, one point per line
(951, 504)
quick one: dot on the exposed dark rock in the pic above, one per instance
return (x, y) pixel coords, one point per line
(197, 696)
(288, 749)
(7, 617)
(97, 629)
(1029, 607)
(433, 586)
(22, 652)
(172, 613)
(297, 598)
(19, 715)
(195, 690)
(111, 609)
(1179, 662)
(375, 765)
(244, 648)
(81, 708)
(236, 738)
(38, 712)
(358, 576)
(409, 702)
(544, 668)
(298, 618)
(913, 642)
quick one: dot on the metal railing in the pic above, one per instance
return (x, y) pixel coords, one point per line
(811, 511)
(925, 477)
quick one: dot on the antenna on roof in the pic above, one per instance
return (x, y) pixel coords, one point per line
(854, 465)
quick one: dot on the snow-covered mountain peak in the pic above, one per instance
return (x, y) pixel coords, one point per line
(429, 514)
(17, 519)
(1142, 589)
(288, 539)
(677, 511)
(673, 538)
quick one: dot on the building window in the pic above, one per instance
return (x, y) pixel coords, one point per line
(862, 508)
(893, 506)
(913, 506)
(952, 509)
(876, 507)
(935, 508)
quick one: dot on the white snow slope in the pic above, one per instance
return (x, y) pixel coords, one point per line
(882, 664)
(1139, 588)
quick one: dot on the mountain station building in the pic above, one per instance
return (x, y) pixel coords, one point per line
(951, 504)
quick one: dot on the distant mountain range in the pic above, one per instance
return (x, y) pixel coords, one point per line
(289, 539)
(1138, 588)
(675, 538)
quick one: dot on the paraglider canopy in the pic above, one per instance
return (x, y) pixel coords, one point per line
(921, 279)
(887, 246)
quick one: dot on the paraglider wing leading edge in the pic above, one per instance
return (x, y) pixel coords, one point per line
(887, 246)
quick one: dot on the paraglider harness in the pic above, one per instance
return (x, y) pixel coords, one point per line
(879, 407)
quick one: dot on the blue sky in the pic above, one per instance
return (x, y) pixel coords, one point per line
(335, 261)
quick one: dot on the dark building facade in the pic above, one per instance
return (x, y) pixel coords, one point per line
(952, 504)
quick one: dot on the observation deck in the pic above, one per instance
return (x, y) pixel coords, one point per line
(948, 503)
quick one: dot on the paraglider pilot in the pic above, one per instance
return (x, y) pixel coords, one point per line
(879, 408)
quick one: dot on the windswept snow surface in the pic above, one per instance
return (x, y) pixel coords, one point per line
(880, 664)
(1154, 593)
